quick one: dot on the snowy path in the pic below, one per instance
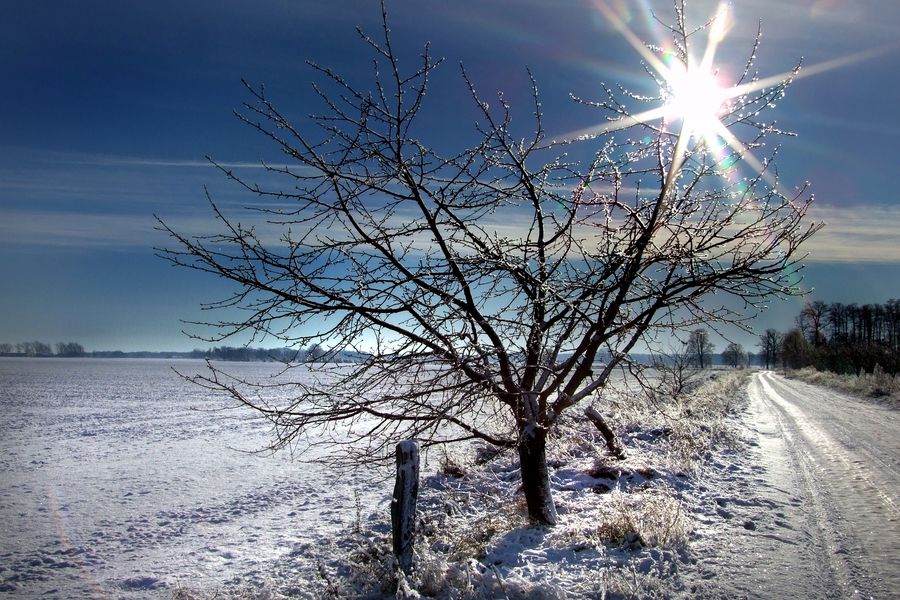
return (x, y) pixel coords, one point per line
(840, 457)
(806, 506)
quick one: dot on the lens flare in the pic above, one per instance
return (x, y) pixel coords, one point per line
(695, 96)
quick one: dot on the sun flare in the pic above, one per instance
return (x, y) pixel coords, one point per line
(696, 101)
(696, 97)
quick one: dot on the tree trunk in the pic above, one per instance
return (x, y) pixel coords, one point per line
(536, 478)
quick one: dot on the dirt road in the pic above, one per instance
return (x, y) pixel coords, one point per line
(806, 504)
(843, 465)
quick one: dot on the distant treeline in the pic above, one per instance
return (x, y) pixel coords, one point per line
(313, 353)
(223, 353)
(42, 349)
(843, 338)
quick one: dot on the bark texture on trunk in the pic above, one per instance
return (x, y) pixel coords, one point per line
(536, 478)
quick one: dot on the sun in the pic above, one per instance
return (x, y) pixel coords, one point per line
(696, 97)
(693, 92)
(695, 101)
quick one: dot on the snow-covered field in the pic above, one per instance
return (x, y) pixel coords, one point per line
(118, 479)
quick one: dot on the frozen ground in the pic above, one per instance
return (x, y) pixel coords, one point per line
(808, 508)
(120, 480)
(797, 498)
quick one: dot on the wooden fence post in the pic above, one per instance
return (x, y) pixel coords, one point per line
(403, 504)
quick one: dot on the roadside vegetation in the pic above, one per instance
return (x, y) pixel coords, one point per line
(625, 526)
(847, 339)
(877, 385)
(851, 348)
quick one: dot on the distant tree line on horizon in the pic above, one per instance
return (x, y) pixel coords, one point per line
(314, 353)
(842, 338)
(42, 349)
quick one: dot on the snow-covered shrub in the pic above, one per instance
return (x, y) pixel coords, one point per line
(370, 569)
(883, 384)
(684, 428)
(451, 465)
(645, 580)
(574, 437)
(246, 592)
(622, 523)
(699, 421)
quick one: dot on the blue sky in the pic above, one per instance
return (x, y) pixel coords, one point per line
(108, 109)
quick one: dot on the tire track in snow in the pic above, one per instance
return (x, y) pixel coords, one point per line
(825, 541)
(842, 451)
(847, 434)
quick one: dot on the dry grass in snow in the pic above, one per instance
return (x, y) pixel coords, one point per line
(878, 385)
(624, 526)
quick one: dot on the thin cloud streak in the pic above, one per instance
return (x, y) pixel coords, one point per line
(853, 234)
(70, 229)
(128, 161)
(46, 158)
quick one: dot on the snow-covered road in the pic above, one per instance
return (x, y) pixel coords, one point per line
(832, 481)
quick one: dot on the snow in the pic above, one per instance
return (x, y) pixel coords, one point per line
(712, 504)
(119, 479)
(842, 460)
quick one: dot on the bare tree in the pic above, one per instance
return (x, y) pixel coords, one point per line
(735, 355)
(484, 284)
(315, 353)
(69, 349)
(699, 349)
(811, 322)
(770, 347)
(796, 352)
(670, 376)
(34, 349)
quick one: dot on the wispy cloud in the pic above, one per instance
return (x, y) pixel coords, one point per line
(22, 228)
(69, 229)
(853, 234)
(856, 234)
(130, 161)
(47, 157)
